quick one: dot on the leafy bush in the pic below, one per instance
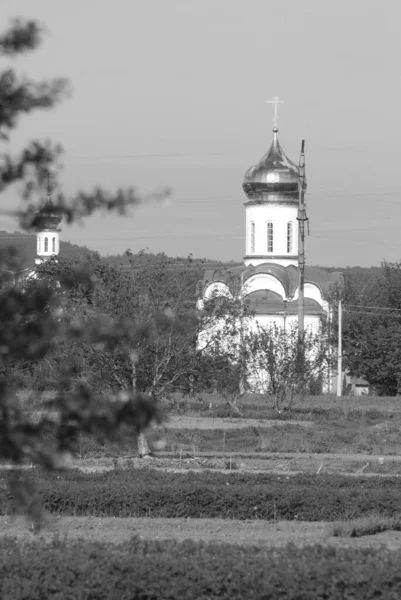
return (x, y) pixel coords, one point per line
(146, 492)
(170, 570)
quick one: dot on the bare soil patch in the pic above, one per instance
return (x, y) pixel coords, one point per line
(116, 530)
(274, 463)
(192, 422)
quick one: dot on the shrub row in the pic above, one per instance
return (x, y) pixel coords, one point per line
(146, 492)
(170, 570)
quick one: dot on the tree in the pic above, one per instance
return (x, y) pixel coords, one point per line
(35, 317)
(282, 366)
(225, 318)
(153, 290)
(372, 336)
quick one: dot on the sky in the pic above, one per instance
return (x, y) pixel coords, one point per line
(173, 93)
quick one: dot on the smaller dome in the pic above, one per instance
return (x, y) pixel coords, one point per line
(48, 217)
(275, 177)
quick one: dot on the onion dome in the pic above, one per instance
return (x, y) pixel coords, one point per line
(48, 217)
(274, 178)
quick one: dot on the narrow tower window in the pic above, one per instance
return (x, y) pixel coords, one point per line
(46, 248)
(54, 244)
(252, 237)
(270, 237)
(38, 244)
(289, 237)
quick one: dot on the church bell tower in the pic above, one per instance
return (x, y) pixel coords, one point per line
(47, 229)
(271, 207)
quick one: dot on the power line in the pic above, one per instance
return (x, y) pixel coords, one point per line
(185, 154)
(373, 307)
(371, 314)
(148, 155)
(221, 235)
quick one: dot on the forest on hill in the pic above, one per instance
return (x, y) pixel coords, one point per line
(26, 246)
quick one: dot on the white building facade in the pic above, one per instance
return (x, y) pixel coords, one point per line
(47, 223)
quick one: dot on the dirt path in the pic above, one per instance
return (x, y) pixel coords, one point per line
(356, 465)
(287, 455)
(178, 422)
(116, 530)
(285, 464)
(193, 422)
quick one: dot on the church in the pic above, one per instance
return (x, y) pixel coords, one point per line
(37, 248)
(269, 274)
(46, 223)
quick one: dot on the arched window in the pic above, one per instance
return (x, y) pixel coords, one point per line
(252, 237)
(38, 244)
(46, 248)
(270, 235)
(289, 237)
(54, 244)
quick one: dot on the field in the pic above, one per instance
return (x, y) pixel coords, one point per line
(259, 489)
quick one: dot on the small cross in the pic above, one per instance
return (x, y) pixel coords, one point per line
(48, 176)
(276, 102)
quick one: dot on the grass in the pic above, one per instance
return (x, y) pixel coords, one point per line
(327, 402)
(365, 435)
(61, 531)
(337, 436)
(254, 406)
(368, 525)
(348, 425)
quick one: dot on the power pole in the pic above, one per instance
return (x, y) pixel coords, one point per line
(301, 239)
(340, 350)
(329, 349)
(242, 358)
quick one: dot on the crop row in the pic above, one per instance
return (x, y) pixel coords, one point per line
(169, 570)
(146, 492)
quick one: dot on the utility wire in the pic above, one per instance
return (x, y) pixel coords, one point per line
(372, 307)
(372, 314)
(193, 154)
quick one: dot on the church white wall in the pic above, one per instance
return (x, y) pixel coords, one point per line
(312, 291)
(280, 216)
(53, 243)
(312, 322)
(232, 344)
(267, 321)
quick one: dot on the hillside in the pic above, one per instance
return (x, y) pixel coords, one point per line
(26, 245)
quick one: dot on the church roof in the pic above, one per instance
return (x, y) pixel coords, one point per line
(288, 276)
(274, 178)
(266, 302)
(48, 217)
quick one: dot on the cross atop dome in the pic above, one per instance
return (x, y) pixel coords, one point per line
(275, 102)
(49, 189)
